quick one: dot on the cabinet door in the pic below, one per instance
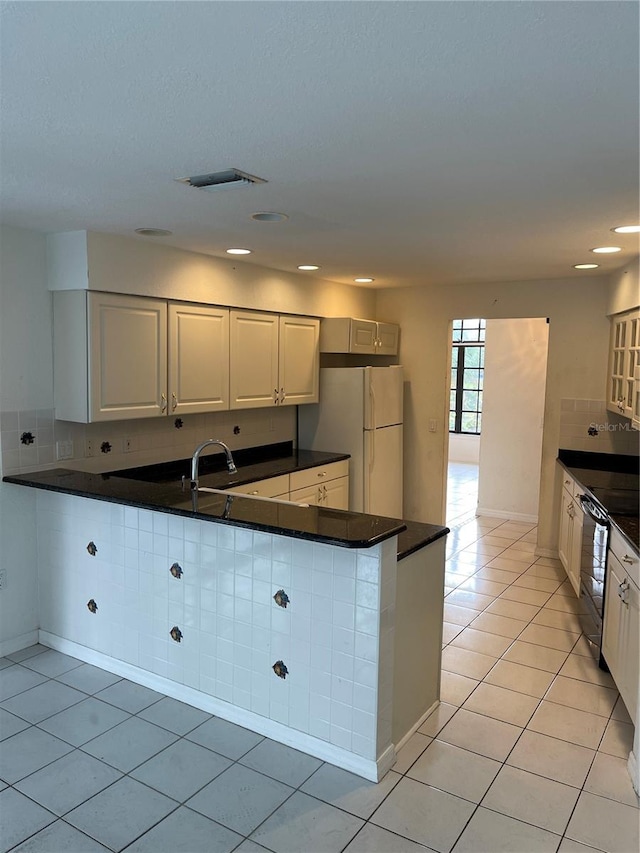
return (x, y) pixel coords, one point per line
(617, 350)
(363, 336)
(335, 493)
(299, 360)
(127, 357)
(253, 353)
(631, 363)
(387, 338)
(308, 495)
(620, 635)
(575, 551)
(198, 358)
(564, 539)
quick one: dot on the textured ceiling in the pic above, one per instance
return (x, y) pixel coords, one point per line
(412, 142)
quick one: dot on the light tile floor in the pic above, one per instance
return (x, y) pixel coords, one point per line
(527, 751)
(462, 491)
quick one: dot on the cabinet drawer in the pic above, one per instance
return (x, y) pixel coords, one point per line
(318, 475)
(272, 488)
(626, 555)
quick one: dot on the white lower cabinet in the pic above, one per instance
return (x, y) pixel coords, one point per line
(273, 487)
(570, 533)
(324, 485)
(621, 629)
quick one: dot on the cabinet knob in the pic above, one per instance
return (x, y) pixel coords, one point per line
(163, 398)
(174, 402)
(627, 559)
(623, 589)
(282, 395)
(275, 396)
(322, 474)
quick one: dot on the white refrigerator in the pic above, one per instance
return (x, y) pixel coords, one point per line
(360, 413)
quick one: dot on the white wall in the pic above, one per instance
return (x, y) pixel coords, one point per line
(624, 288)
(576, 367)
(149, 268)
(26, 387)
(515, 372)
(464, 448)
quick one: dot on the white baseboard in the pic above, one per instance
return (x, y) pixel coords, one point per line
(16, 644)
(512, 516)
(368, 768)
(415, 727)
(547, 552)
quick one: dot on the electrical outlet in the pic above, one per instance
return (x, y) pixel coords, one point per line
(64, 450)
(3, 578)
(89, 447)
(433, 425)
(127, 445)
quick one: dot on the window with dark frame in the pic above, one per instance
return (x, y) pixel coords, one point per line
(467, 374)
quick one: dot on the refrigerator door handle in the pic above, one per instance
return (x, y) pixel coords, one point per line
(372, 447)
(373, 406)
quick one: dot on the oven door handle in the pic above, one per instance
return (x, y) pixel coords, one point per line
(593, 512)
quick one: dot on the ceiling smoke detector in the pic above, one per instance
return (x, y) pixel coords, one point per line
(218, 180)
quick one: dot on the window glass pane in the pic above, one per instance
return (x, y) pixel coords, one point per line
(469, 422)
(454, 357)
(471, 379)
(457, 324)
(483, 334)
(472, 356)
(457, 335)
(452, 421)
(470, 401)
(481, 382)
(452, 401)
(470, 335)
(470, 324)
(481, 350)
(479, 422)
(483, 324)
(454, 378)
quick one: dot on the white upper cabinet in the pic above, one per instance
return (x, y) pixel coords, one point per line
(254, 360)
(118, 357)
(198, 358)
(367, 337)
(274, 360)
(298, 361)
(110, 357)
(624, 359)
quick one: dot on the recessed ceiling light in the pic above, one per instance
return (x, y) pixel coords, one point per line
(308, 267)
(626, 229)
(238, 251)
(585, 266)
(606, 250)
(153, 232)
(364, 280)
(269, 216)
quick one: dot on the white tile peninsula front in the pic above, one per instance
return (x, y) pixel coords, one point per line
(293, 639)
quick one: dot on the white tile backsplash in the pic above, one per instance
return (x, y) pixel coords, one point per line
(614, 433)
(151, 440)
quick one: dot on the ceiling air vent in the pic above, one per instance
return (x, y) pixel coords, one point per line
(218, 180)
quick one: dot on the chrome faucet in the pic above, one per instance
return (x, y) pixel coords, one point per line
(231, 468)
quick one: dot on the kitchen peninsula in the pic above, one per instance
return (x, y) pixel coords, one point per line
(278, 617)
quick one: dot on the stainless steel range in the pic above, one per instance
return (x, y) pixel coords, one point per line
(593, 561)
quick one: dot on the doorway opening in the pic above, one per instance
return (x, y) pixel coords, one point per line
(465, 417)
(496, 414)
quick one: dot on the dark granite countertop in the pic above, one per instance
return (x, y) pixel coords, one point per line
(159, 488)
(417, 536)
(612, 472)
